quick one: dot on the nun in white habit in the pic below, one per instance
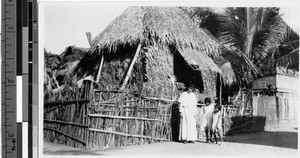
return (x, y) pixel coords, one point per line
(188, 110)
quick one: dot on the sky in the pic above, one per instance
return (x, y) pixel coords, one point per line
(65, 25)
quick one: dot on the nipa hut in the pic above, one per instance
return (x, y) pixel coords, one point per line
(153, 51)
(70, 58)
(58, 69)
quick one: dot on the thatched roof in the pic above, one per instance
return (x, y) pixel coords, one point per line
(168, 26)
(198, 61)
(73, 53)
(52, 61)
(68, 68)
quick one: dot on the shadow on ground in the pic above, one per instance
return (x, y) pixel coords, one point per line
(73, 152)
(277, 139)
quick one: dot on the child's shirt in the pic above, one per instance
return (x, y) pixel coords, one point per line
(208, 114)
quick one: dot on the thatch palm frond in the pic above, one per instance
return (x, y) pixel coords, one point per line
(242, 66)
(68, 68)
(88, 64)
(73, 53)
(198, 61)
(227, 73)
(163, 25)
(52, 61)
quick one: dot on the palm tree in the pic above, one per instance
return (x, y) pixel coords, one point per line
(284, 56)
(250, 35)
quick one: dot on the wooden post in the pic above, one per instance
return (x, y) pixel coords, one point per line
(89, 37)
(243, 104)
(220, 104)
(100, 67)
(220, 93)
(224, 125)
(131, 67)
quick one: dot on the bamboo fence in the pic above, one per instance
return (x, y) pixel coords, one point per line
(102, 119)
(237, 117)
(118, 118)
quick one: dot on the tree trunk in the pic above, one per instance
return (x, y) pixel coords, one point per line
(131, 67)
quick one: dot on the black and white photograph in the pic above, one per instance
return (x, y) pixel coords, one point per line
(162, 79)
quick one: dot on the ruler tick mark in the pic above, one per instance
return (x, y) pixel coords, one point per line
(11, 85)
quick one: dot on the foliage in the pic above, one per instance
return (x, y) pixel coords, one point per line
(253, 37)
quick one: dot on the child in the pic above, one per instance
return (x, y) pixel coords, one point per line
(208, 112)
(217, 123)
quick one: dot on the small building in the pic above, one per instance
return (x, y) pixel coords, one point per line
(275, 102)
(170, 51)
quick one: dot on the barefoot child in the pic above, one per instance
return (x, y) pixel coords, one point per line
(217, 123)
(208, 119)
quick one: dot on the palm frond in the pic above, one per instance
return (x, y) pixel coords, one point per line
(245, 70)
(290, 60)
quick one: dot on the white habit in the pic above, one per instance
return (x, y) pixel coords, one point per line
(188, 110)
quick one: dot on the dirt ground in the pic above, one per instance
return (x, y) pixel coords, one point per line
(261, 144)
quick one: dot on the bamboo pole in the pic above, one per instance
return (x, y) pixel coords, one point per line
(100, 67)
(123, 117)
(220, 95)
(66, 123)
(128, 135)
(89, 38)
(57, 131)
(65, 103)
(131, 67)
(158, 99)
